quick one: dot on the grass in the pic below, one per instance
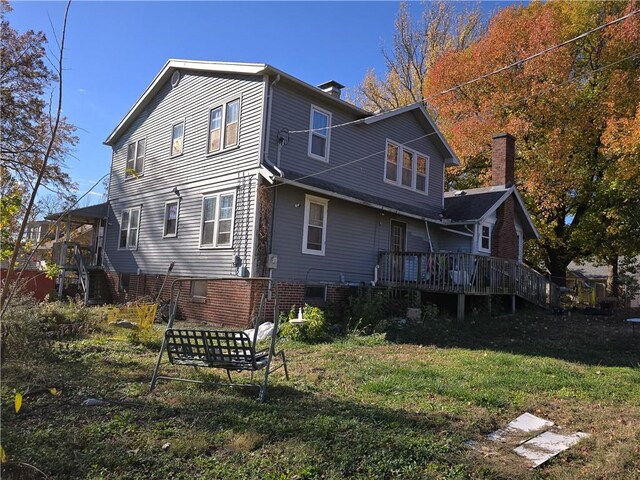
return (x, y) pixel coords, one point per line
(362, 407)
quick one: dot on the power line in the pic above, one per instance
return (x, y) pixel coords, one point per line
(481, 77)
(433, 133)
(535, 55)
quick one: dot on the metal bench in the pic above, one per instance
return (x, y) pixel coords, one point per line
(233, 351)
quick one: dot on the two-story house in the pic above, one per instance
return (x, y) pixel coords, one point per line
(238, 170)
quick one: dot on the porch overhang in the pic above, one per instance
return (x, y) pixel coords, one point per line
(82, 216)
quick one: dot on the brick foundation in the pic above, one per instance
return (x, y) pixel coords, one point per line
(230, 302)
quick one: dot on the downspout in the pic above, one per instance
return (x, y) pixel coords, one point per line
(426, 224)
(269, 109)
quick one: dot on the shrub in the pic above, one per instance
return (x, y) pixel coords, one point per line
(312, 331)
(22, 331)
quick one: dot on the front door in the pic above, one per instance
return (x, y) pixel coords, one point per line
(398, 247)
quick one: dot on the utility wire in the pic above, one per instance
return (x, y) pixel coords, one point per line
(481, 77)
(351, 162)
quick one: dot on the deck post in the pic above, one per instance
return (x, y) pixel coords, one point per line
(460, 313)
(513, 304)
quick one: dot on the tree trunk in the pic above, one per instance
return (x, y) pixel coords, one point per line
(613, 282)
(557, 266)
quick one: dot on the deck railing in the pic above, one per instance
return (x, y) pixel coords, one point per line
(465, 273)
(67, 254)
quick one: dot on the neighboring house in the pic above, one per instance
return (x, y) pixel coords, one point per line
(238, 170)
(590, 283)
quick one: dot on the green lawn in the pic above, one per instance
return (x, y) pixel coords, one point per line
(363, 407)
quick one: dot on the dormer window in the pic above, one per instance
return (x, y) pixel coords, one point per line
(406, 168)
(135, 158)
(319, 134)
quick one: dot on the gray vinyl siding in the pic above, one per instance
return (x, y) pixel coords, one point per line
(190, 101)
(194, 173)
(154, 252)
(452, 242)
(291, 111)
(355, 235)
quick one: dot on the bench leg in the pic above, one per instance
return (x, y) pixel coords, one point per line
(229, 376)
(154, 378)
(284, 362)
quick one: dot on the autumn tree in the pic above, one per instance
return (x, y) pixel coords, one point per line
(571, 109)
(35, 137)
(25, 119)
(416, 46)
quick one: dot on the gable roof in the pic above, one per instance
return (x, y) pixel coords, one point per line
(476, 204)
(452, 159)
(331, 189)
(264, 69)
(221, 67)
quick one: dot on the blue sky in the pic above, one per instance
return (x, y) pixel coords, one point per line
(114, 49)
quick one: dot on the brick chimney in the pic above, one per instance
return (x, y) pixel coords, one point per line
(503, 159)
(504, 240)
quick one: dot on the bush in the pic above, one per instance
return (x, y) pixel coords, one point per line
(22, 331)
(312, 331)
(29, 328)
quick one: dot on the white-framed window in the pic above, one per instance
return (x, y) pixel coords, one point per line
(171, 209)
(135, 158)
(177, 139)
(314, 235)
(319, 134)
(224, 126)
(217, 220)
(33, 233)
(391, 165)
(406, 167)
(129, 228)
(484, 238)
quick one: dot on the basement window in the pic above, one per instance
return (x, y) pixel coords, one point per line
(199, 290)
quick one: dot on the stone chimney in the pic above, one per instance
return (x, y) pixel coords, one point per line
(503, 159)
(332, 87)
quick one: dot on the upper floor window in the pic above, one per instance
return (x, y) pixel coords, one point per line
(314, 234)
(135, 158)
(406, 168)
(177, 139)
(217, 220)
(129, 227)
(33, 233)
(485, 238)
(319, 134)
(171, 219)
(228, 115)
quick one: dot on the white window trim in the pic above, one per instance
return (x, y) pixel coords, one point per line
(311, 132)
(131, 209)
(223, 105)
(305, 232)
(128, 175)
(164, 219)
(215, 245)
(520, 238)
(485, 224)
(184, 126)
(414, 168)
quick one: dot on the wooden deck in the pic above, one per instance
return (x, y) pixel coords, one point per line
(463, 273)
